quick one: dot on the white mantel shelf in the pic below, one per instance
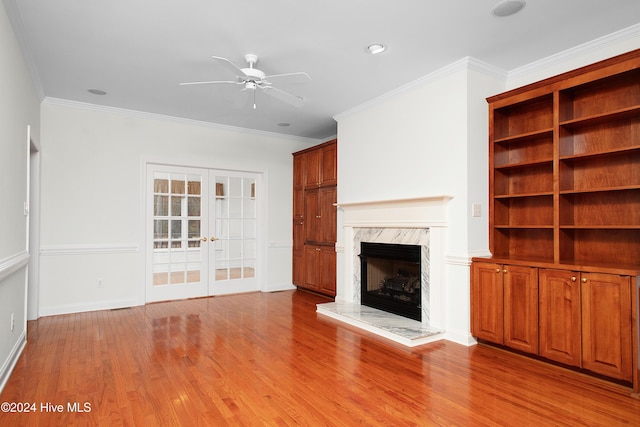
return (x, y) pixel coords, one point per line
(417, 212)
(393, 202)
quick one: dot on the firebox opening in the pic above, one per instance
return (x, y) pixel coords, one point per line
(391, 278)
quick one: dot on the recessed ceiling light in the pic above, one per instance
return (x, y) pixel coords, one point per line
(97, 92)
(284, 124)
(508, 8)
(376, 48)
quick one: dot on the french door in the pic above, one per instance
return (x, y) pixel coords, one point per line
(202, 228)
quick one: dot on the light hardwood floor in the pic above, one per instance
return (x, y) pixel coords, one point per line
(269, 359)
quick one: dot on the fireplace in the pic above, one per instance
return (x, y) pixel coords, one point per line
(406, 222)
(391, 278)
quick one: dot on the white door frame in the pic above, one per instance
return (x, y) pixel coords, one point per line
(33, 209)
(261, 253)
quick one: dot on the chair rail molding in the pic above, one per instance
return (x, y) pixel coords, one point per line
(10, 265)
(84, 249)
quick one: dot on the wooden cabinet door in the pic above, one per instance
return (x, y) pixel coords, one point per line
(298, 252)
(560, 335)
(312, 171)
(312, 216)
(298, 170)
(487, 302)
(327, 260)
(329, 167)
(327, 211)
(521, 308)
(298, 203)
(606, 325)
(311, 267)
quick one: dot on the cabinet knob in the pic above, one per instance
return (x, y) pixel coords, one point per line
(504, 271)
(573, 278)
(497, 270)
(584, 280)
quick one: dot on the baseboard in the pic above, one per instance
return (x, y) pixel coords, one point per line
(81, 308)
(283, 287)
(10, 363)
(460, 338)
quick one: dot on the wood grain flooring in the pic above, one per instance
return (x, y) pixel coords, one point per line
(269, 360)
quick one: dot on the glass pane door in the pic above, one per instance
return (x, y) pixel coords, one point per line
(234, 213)
(178, 249)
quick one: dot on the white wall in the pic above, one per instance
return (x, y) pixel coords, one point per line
(427, 140)
(92, 190)
(431, 138)
(19, 108)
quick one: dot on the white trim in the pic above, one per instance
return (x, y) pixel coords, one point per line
(418, 212)
(81, 308)
(14, 263)
(14, 356)
(280, 288)
(393, 202)
(117, 248)
(462, 338)
(462, 260)
(591, 47)
(466, 63)
(188, 122)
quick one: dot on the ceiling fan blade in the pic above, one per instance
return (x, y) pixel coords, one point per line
(207, 83)
(229, 66)
(298, 77)
(294, 100)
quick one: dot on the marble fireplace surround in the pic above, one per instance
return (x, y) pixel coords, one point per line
(416, 221)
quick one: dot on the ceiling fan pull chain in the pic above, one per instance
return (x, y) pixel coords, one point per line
(254, 99)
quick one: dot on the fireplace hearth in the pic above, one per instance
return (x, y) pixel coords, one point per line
(391, 278)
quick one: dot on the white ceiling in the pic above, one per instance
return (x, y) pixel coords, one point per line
(139, 50)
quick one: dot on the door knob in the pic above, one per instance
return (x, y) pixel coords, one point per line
(204, 239)
(213, 239)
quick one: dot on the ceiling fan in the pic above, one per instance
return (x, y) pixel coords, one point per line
(250, 78)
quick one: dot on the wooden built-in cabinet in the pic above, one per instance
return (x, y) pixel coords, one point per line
(314, 218)
(586, 321)
(564, 200)
(514, 321)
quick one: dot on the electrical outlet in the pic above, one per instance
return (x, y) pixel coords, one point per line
(101, 283)
(476, 209)
(13, 321)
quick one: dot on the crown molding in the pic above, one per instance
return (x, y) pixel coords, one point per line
(466, 63)
(179, 120)
(592, 47)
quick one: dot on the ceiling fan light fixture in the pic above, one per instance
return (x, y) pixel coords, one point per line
(508, 8)
(376, 48)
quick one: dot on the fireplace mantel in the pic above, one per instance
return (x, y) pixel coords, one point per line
(418, 221)
(418, 212)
